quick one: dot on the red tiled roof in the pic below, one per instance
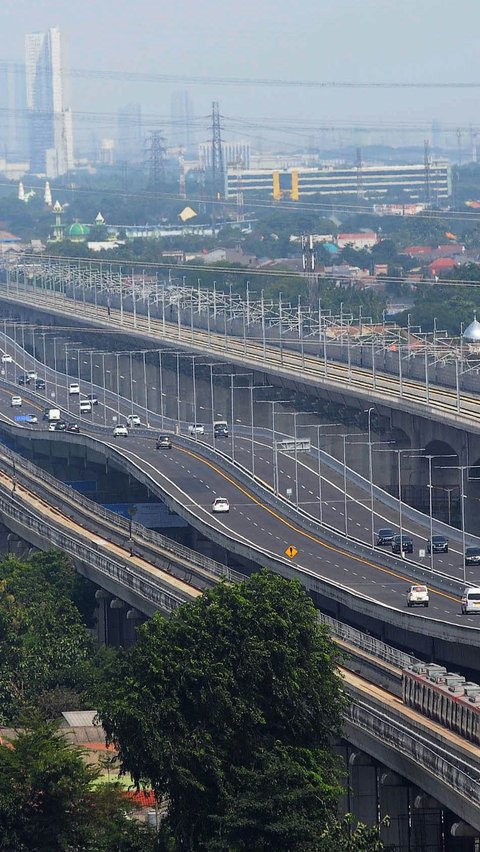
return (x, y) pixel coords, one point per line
(442, 263)
(142, 798)
(417, 250)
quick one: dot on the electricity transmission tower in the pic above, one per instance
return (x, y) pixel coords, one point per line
(156, 161)
(218, 167)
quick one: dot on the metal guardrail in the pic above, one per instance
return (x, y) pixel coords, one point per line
(131, 577)
(367, 643)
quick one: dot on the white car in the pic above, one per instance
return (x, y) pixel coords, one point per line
(120, 431)
(471, 600)
(220, 504)
(73, 388)
(134, 420)
(32, 375)
(418, 596)
(16, 401)
(196, 429)
(6, 359)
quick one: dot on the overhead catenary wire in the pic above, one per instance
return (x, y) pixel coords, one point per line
(249, 272)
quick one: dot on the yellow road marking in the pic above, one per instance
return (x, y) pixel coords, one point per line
(303, 533)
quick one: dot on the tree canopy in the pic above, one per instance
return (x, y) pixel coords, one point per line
(227, 710)
(48, 801)
(45, 646)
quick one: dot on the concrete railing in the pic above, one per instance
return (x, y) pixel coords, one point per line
(142, 534)
(426, 755)
(131, 577)
(305, 521)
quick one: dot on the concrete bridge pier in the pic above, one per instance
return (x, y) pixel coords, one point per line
(460, 837)
(426, 822)
(364, 787)
(116, 622)
(394, 812)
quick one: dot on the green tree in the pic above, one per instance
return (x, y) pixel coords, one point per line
(48, 802)
(44, 643)
(227, 709)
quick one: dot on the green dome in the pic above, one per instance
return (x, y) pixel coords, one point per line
(78, 230)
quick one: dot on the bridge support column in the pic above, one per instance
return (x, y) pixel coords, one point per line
(133, 618)
(116, 623)
(426, 822)
(459, 836)
(394, 809)
(364, 788)
(102, 599)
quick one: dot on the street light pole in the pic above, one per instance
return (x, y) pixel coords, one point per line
(430, 458)
(370, 472)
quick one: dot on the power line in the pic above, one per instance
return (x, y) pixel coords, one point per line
(247, 270)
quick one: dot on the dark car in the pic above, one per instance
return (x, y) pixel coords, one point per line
(72, 427)
(163, 442)
(402, 543)
(385, 536)
(92, 397)
(220, 432)
(23, 380)
(60, 426)
(472, 556)
(440, 544)
(39, 384)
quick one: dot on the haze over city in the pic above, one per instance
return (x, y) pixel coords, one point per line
(239, 426)
(371, 41)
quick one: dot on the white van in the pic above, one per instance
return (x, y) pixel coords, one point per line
(52, 414)
(85, 406)
(471, 600)
(73, 388)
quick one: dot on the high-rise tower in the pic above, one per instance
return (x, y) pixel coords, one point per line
(50, 123)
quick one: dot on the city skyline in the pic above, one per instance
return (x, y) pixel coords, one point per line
(377, 40)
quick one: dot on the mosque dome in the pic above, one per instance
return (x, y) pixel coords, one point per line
(472, 332)
(78, 231)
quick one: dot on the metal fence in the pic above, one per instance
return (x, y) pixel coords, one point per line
(130, 577)
(367, 643)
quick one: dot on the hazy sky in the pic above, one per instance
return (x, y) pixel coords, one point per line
(368, 40)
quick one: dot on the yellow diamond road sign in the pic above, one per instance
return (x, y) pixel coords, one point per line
(291, 551)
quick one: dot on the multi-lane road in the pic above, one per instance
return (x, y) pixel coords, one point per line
(195, 480)
(432, 400)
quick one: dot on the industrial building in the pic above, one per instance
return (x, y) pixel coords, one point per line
(426, 182)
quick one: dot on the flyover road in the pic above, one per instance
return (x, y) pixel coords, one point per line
(304, 470)
(194, 480)
(433, 402)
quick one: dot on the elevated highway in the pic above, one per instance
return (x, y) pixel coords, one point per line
(451, 406)
(346, 577)
(46, 513)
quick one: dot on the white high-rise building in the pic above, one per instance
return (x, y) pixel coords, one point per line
(50, 122)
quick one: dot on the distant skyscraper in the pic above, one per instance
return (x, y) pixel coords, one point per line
(13, 123)
(181, 121)
(50, 123)
(130, 143)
